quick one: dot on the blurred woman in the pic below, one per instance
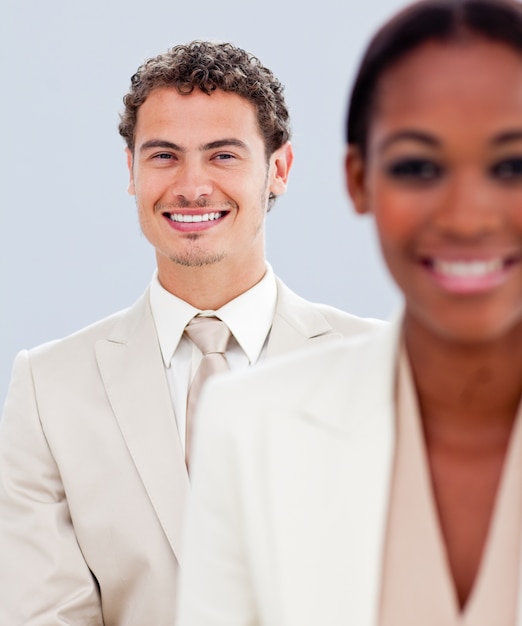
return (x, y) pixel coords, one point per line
(379, 481)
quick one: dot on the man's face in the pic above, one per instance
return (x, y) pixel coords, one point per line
(201, 178)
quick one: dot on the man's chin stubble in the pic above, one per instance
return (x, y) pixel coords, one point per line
(197, 260)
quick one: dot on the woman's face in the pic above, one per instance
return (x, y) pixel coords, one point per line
(443, 179)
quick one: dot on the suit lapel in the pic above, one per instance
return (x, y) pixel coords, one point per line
(134, 377)
(330, 464)
(296, 322)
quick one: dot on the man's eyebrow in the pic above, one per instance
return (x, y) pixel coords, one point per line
(212, 145)
(409, 135)
(223, 143)
(160, 143)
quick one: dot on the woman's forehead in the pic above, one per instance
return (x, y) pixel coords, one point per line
(462, 75)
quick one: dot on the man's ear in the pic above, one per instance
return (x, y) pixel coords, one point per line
(281, 162)
(355, 177)
(130, 161)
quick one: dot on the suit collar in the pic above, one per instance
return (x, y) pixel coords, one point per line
(331, 462)
(251, 330)
(295, 322)
(364, 370)
(171, 315)
(133, 373)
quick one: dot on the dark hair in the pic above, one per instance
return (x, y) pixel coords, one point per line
(439, 20)
(209, 66)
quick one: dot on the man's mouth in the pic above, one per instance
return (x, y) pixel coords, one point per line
(191, 218)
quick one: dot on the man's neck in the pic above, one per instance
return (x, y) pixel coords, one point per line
(211, 286)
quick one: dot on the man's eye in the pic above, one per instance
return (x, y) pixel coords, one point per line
(508, 169)
(225, 156)
(415, 170)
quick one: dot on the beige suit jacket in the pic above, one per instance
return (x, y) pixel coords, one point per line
(291, 473)
(92, 476)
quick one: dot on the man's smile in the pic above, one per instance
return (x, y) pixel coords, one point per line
(195, 217)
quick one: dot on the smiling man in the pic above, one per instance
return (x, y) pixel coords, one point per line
(202, 177)
(94, 439)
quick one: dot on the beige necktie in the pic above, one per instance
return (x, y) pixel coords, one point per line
(211, 336)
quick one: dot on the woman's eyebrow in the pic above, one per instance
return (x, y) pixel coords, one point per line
(507, 137)
(409, 135)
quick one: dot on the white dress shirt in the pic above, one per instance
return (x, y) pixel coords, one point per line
(249, 318)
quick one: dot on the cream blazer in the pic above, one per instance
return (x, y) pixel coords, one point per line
(93, 482)
(291, 474)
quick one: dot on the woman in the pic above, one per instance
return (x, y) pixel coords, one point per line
(379, 482)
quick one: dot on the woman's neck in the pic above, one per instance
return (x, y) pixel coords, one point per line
(460, 385)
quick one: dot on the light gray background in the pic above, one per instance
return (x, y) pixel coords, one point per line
(70, 245)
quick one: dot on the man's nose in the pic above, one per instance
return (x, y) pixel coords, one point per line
(191, 182)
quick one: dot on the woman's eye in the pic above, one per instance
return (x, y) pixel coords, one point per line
(415, 170)
(508, 169)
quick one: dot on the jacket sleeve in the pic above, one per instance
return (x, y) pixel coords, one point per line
(44, 579)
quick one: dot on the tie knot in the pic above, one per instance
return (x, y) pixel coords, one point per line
(209, 334)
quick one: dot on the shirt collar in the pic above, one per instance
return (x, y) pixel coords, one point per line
(249, 316)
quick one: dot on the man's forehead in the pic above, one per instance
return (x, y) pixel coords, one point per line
(197, 118)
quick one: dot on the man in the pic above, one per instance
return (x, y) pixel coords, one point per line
(93, 475)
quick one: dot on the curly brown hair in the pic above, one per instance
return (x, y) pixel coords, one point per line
(209, 66)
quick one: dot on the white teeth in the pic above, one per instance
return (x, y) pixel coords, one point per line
(463, 269)
(191, 218)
